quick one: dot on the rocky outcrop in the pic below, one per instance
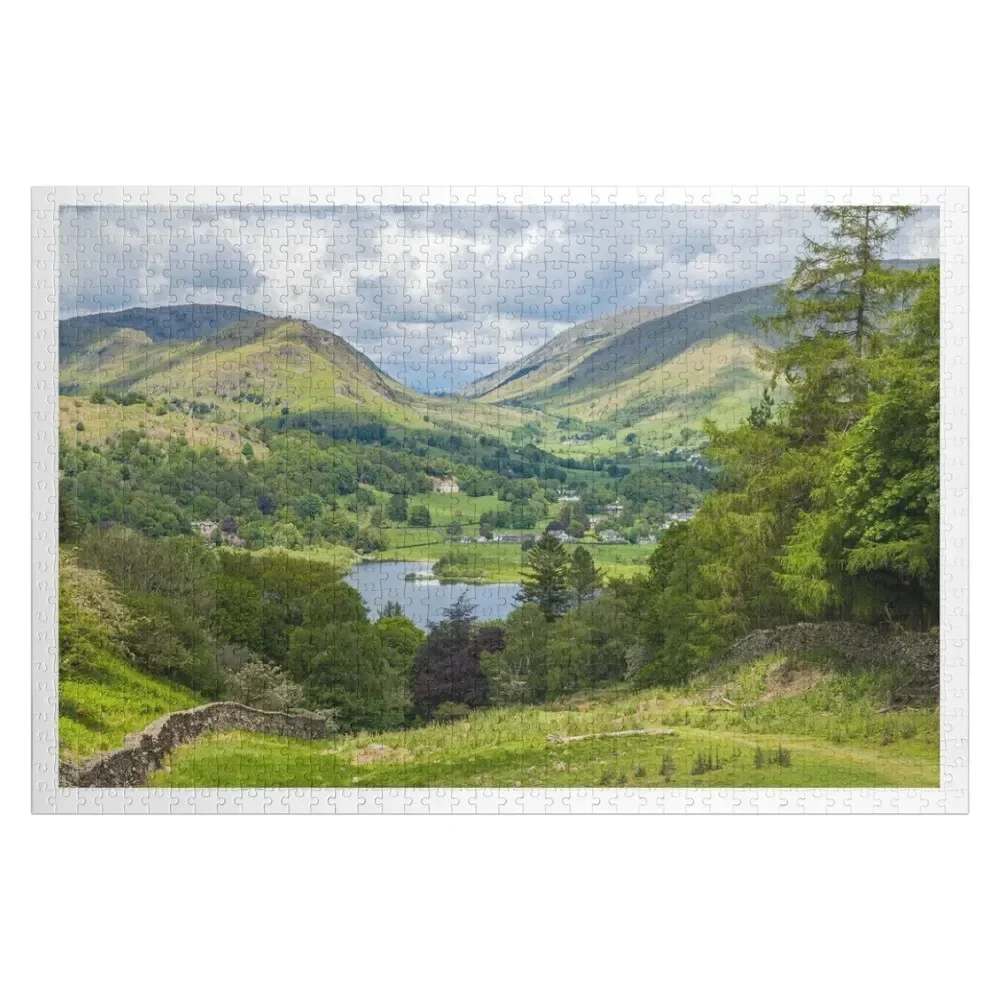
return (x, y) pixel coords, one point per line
(144, 753)
(857, 643)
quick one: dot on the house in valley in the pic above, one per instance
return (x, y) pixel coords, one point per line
(444, 484)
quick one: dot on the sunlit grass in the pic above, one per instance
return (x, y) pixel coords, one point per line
(833, 735)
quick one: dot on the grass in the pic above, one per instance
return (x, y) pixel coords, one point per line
(98, 709)
(496, 562)
(341, 557)
(106, 422)
(814, 724)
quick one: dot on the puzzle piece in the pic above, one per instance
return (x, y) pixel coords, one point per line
(469, 504)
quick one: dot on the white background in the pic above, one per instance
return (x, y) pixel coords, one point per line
(496, 94)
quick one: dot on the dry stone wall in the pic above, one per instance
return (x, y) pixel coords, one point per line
(858, 643)
(144, 753)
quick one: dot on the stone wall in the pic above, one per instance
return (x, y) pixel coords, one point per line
(857, 643)
(144, 753)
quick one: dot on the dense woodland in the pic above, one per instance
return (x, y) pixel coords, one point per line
(823, 503)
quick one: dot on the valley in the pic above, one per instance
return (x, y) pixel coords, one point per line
(537, 580)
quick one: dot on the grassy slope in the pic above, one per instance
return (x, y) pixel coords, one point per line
(824, 715)
(289, 363)
(97, 710)
(105, 422)
(646, 372)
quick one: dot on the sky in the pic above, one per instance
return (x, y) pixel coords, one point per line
(435, 295)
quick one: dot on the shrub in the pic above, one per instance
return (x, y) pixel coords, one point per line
(264, 685)
(419, 517)
(668, 767)
(450, 711)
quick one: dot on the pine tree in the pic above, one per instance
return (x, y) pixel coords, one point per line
(834, 311)
(583, 577)
(545, 582)
(841, 287)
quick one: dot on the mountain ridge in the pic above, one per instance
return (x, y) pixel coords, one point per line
(679, 362)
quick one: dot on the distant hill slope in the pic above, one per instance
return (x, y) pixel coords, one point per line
(587, 359)
(201, 352)
(547, 364)
(243, 367)
(187, 322)
(648, 368)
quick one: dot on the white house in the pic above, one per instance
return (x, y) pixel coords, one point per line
(444, 484)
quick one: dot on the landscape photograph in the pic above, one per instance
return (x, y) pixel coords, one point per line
(499, 496)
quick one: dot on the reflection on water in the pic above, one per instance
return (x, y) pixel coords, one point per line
(424, 601)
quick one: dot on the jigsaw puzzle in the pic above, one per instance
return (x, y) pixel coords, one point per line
(525, 501)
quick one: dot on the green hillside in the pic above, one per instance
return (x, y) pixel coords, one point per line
(102, 696)
(648, 369)
(260, 362)
(233, 367)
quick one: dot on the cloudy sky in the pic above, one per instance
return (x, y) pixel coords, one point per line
(436, 296)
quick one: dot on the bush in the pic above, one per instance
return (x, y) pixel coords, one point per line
(264, 685)
(450, 711)
(420, 517)
(168, 642)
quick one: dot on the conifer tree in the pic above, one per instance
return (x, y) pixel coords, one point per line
(584, 578)
(834, 310)
(840, 287)
(545, 577)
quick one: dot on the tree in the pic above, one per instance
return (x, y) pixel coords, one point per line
(840, 288)
(420, 517)
(545, 582)
(518, 673)
(398, 508)
(454, 529)
(446, 667)
(834, 309)
(827, 497)
(870, 545)
(583, 577)
(264, 685)
(285, 535)
(400, 640)
(309, 506)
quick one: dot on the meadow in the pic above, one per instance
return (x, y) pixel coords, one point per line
(814, 722)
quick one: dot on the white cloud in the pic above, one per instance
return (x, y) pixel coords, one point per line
(436, 291)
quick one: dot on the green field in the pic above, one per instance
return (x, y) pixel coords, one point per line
(810, 723)
(496, 562)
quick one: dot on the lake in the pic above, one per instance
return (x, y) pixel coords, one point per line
(424, 601)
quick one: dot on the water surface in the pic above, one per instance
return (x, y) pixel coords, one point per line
(424, 601)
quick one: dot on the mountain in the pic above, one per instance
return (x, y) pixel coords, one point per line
(242, 367)
(680, 362)
(649, 368)
(213, 353)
